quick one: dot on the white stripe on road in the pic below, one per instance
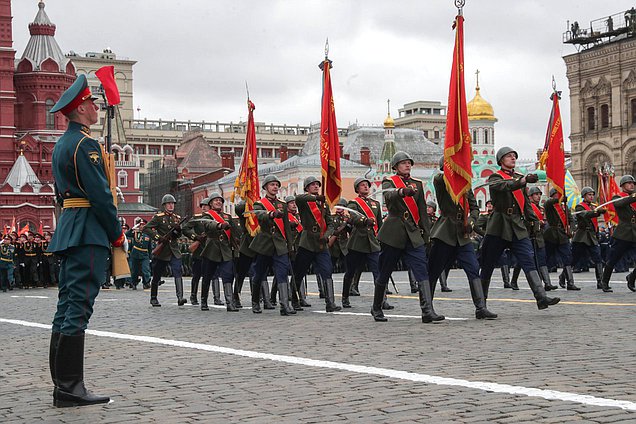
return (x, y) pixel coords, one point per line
(368, 315)
(32, 297)
(362, 369)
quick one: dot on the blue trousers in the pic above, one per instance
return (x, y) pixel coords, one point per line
(323, 266)
(582, 250)
(224, 269)
(356, 260)
(542, 259)
(493, 247)
(159, 266)
(618, 248)
(413, 257)
(279, 264)
(443, 255)
(82, 272)
(564, 251)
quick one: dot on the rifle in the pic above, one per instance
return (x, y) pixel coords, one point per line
(167, 237)
(336, 234)
(194, 246)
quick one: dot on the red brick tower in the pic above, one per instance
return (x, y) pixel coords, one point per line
(7, 92)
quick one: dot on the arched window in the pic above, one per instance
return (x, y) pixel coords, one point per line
(633, 105)
(591, 119)
(50, 117)
(474, 136)
(486, 136)
(604, 116)
(122, 179)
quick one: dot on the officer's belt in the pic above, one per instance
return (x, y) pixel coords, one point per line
(6, 260)
(76, 202)
(48, 254)
(30, 254)
(139, 248)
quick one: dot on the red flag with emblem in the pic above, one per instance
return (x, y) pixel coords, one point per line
(458, 153)
(329, 142)
(106, 75)
(246, 185)
(553, 158)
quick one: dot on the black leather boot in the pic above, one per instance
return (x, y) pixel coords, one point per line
(545, 276)
(295, 295)
(355, 291)
(569, 276)
(154, 290)
(302, 293)
(227, 292)
(256, 296)
(631, 280)
(505, 275)
(283, 295)
(477, 293)
(265, 295)
(562, 279)
(194, 289)
(321, 287)
(426, 303)
(605, 279)
(543, 301)
(346, 289)
(216, 291)
(273, 293)
(598, 271)
(205, 292)
(514, 280)
(443, 282)
(69, 372)
(485, 286)
(378, 298)
(55, 338)
(178, 283)
(330, 302)
(412, 282)
(236, 295)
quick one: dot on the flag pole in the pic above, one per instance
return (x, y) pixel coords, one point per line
(322, 182)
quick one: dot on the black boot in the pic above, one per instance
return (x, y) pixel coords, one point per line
(355, 291)
(330, 302)
(205, 292)
(485, 286)
(256, 296)
(426, 303)
(321, 287)
(236, 296)
(477, 293)
(283, 295)
(412, 282)
(514, 280)
(443, 282)
(385, 303)
(545, 276)
(569, 276)
(69, 372)
(378, 298)
(55, 338)
(607, 274)
(272, 293)
(227, 292)
(562, 279)
(346, 289)
(505, 276)
(631, 280)
(265, 295)
(598, 271)
(194, 289)
(543, 301)
(178, 284)
(295, 295)
(302, 294)
(216, 291)
(154, 289)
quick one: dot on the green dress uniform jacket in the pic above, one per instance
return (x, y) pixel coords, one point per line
(7, 253)
(482, 223)
(556, 233)
(310, 237)
(245, 237)
(399, 226)
(626, 228)
(218, 247)
(341, 223)
(536, 230)
(507, 219)
(140, 244)
(585, 232)
(78, 171)
(159, 226)
(193, 229)
(363, 238)
(450, 226)
(269, 241)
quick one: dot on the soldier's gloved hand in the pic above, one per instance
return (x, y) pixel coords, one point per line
(276, 214)
(320, 198)
(369, 222)
(223, 226)
(293, 224)
(468, 228)
(532, 178)
(602, 210)
(120, 240)
(407, 191)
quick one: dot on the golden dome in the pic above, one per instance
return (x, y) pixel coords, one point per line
(388, 122)
(480, 109)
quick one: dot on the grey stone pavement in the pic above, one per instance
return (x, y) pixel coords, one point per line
(583, 346)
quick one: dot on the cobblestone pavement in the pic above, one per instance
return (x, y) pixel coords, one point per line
(582, 350)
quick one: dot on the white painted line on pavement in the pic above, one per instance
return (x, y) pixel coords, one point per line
(363, 369)
(31, 297)
(368, 315)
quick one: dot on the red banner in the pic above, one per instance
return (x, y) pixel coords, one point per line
(106, 75)
(458, 153)
(607, 189)
(329, 142)
(246, 185)
(553, 157)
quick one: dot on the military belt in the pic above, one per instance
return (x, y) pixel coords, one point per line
(48, 254)
(30, 254)
(77, 202)
(139, 248)
(6, 260)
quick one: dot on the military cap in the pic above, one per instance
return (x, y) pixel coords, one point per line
(503, 152)
(215, 195)
(586, 190)
(358, 181)
(270, 179)
(290, 199)
(534, 190)
(74, 96)
(432, 204)
(399, 157)
(310, 180)
(168, 198)
(204, 201)
(626, 179)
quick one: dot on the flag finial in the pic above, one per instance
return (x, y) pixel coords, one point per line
(327, 48)
(460, 5)
(388, 106)
(477, 74)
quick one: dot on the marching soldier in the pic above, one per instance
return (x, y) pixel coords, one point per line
(141, 246)
(245, 258)
(431, 209)
(585, 241)
(7, 252)
(272, 245)
(451, 241)
(317, 228)
(404, 234)
(363, 245)
(218, 258)
(538, 242)
(195, 231)
(504, 260)
(624, 236)
(86, 229)
(507, 228)
(340, 237)
(299, 288)
(557, 236)
(164, 227)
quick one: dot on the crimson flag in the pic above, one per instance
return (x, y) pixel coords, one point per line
(553, 157)
(13, 227)
(329, 142)
(246, 185)
(106, 75)
(458, 153)
(24, 230)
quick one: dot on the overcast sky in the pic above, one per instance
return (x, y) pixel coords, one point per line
(193, 56)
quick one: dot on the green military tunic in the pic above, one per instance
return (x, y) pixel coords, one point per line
(482, 223)
(450, 226)
(194, 230)
(536, 230)
(160, 225)
(556, 233)
(342, 226)
(399, 226)
(269, 241)
(140, 244)
(245, 236)
(626, 228)
(218, 247)
(296, 229)
(363, 238)
(585, 231)
(310, 238)
(507, 219)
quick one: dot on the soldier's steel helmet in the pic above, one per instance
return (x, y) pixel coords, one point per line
(552, 191)
(358, 181)
(534, 190)
(504, 151)
(204, 201)
(399, 157)
(290, 199)
(310, 180)
(215, 195)
(342, 202)
(441, 163)
(270, 179)
(626, 179)
(432, 204)
(168, 198)
(586, 190)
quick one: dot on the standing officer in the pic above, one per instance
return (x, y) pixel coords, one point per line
(6, 261)
(557, 236)
(140, 254)
(538, 243)
(49, 262)
(404, 234)
(318, 227)
(624, 236)
(195, 231)
(451, 241)
(585, 240)
(30, 270)
(363, 245)
(507, 227)
(86, 229)
(165, 225)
